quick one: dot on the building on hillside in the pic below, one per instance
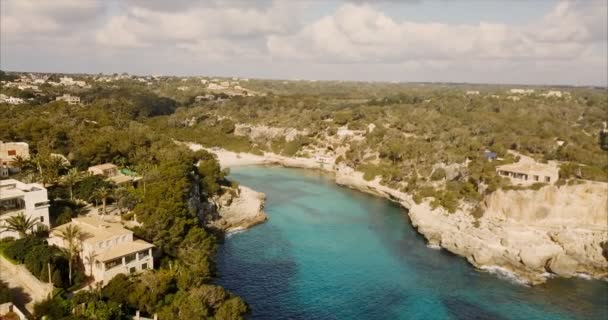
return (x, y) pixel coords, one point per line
(29, 199)
(522, 91)
(108, 249)
(111, 172)
(214, 86)
(70, 99)
(526, 173)
(555, 94)
(107, 170)
(12, 100)
(9, 151)
(66, 81)
(472, 93)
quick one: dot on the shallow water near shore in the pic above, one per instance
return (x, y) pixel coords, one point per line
(328, 252)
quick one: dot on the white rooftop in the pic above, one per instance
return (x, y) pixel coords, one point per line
(11, 188)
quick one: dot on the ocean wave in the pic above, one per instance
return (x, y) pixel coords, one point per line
(505, 274)
(234, 231)
(583, 276)
(433, 246)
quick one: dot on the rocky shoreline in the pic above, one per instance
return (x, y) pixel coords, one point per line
(530, 235)
(237, 209)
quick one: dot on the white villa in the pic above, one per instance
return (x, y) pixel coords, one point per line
(11, 150)
(70, 99)
(527, 173)
(107, 170)
(521, 91)
(29, 199)
(108, 249)
(110, 172)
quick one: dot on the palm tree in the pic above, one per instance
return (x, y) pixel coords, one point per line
(73, 236)
(20, 224)
(70, 179)
(145, 170)
(103, 193)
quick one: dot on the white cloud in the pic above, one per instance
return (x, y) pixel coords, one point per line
(300, 39)
(46, 17)
(198, 26)
(361, 33)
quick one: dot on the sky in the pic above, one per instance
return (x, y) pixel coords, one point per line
(475, 41)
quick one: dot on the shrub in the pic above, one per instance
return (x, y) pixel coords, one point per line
(438, 174)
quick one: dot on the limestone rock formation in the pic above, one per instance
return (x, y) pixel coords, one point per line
(238, 210)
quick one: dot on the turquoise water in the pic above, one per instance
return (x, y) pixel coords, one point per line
(328, 252)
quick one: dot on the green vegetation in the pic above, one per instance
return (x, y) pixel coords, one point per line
(115, 126)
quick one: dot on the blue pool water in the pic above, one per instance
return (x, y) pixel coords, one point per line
(328, 252)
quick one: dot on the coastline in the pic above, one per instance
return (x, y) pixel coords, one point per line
(496, 245)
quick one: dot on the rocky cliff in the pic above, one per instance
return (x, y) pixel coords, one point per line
(237, 210)
(532, 234)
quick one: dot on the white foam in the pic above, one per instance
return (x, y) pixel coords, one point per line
(433, 246)
(234, 231)
(505, 274)
(583, 276)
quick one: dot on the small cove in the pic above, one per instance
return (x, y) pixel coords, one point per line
(328, 252)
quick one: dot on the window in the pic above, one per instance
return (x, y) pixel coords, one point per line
(41, 219)
(129, 258)
(547, 179)
(113, 263)
(144, 266)
(143, 254)
(535, 178)
(41, 204)
(12, 152)
(132, 270)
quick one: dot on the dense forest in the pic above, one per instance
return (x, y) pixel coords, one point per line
(428, 140)
(110, 128)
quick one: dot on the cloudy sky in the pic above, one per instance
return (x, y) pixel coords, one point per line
(508, 41)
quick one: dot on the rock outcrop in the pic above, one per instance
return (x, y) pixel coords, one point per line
(532, 234)
(237, 210)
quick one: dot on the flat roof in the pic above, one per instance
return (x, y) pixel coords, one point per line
(118, 179)
(11, 188)
(104, 166)
(95, 229)
(531, 167)
(123, 249)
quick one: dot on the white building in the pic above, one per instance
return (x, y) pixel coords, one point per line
(66, 81)
(213, 86)
(108, 249)
(554, 94)
(472, 93)
(17, 197)
(70, 99)
(527, 173)
(13, 100)
(522, 91)
(11, 150)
